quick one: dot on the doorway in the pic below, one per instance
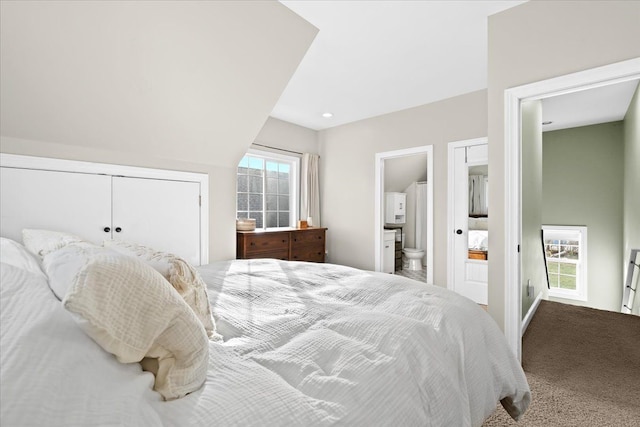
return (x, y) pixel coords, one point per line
(380, 188)
(514, 98)
(467, 207)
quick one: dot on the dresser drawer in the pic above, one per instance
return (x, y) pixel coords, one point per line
(311, 253)
(285, 244)
(262, 245)
(282, 254)
(306, 237)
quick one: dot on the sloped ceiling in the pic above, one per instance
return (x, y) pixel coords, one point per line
(192, 81)
(400, 172)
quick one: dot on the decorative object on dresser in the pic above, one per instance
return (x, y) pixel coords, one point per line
(288, 244)
(245, 224)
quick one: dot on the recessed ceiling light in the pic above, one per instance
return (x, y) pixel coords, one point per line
(547, 122)
(327, 115)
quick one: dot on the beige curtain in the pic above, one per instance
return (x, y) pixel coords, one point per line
(310, 188)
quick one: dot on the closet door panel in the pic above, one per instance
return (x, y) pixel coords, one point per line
(77, 203)
(162, 214)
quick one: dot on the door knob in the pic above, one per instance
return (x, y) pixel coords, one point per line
(107, 229)
(118, 229)
(458, 231)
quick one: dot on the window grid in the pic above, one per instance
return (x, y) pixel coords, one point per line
(564, 251)
(263, 191)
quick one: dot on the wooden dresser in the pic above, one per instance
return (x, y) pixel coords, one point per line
(290, 244)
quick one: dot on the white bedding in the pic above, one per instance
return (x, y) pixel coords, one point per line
(479, 239)
(304, 344)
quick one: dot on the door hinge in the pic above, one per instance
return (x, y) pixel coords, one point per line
(518, 248)
(199, 200)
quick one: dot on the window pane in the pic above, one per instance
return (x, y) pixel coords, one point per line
(243, 183)
(283, 203)
(258, 217)
(272, 186)
(243, 202)
(272, 169)
(283, 186)
(553, 280)
(283, 219)
(263, 190)
(565, 262)
(284, 168)
(255, 202)
(256, 165)
(272, 219)
(255, 184)
(271, 202)
(567, 282)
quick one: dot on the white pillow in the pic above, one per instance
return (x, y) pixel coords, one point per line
(13, 253)
(42, 242)
(184, 278)
(62, 265)
(131, 311)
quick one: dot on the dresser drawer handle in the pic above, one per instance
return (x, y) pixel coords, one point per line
(253, 243)
(284, 240)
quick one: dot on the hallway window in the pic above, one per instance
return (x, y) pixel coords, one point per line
(565, 249)
(267, 189)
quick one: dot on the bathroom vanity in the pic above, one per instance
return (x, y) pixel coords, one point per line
(290, 244)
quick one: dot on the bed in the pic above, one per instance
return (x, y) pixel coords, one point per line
(295, 343)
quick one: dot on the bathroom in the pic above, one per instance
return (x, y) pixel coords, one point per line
(405, 216)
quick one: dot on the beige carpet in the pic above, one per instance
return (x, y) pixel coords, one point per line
(583, 366)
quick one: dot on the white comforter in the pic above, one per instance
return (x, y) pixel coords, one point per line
(304, 344)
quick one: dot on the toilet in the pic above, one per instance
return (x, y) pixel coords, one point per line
(415, 258)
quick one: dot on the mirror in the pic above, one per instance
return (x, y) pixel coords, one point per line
(478, 236)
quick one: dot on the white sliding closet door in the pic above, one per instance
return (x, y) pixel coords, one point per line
(76, 203)
(162, 214)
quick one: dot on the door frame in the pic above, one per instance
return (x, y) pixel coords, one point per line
(592, 78)
(379, 203)
(451, 202)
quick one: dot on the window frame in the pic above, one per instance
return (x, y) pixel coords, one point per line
(294, 184)
(580, 293)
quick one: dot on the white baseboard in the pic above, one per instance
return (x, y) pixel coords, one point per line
(531, 312)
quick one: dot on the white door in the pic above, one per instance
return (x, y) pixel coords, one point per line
(470, 276)
(50, 200)
(162, 214)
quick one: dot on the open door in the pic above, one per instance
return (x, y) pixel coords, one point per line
(468, 219)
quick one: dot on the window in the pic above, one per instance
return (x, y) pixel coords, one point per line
(565, 249)
(267, 189)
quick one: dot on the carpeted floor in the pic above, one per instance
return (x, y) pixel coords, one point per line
(583, 367)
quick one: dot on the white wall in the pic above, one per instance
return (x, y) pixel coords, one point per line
(535, 41)
(348, 170)
(176, 85)
(287, 136)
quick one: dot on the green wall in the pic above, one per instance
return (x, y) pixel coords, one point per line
(533, 271)
(582, 184)
(632, 184)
